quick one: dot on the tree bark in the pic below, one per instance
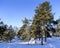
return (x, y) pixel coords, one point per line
(45, 36)
(42, 40)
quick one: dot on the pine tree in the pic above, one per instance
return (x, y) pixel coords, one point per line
(3, 28)
(42, 17)
(10, 34)
(23, 33)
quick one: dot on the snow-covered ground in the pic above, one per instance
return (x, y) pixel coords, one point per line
(53, 42)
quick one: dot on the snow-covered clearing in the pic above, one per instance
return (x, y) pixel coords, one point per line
(53, 42)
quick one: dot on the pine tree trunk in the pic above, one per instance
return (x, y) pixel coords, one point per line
(10, 40)
(52, 33)
(39, 38)
(45, 36)
(42, 36)
(42, 40)
(35, 41)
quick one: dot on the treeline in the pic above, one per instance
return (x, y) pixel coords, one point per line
(38, 27)
(7, 33)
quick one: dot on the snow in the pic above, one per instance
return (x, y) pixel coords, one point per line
(53, 42)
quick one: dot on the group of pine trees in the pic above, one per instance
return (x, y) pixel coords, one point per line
(6, 32)
(38, 27)
(41, 24)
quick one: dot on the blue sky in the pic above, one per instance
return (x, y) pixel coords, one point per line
(13, 11)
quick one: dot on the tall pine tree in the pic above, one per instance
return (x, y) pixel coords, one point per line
(42, 17)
